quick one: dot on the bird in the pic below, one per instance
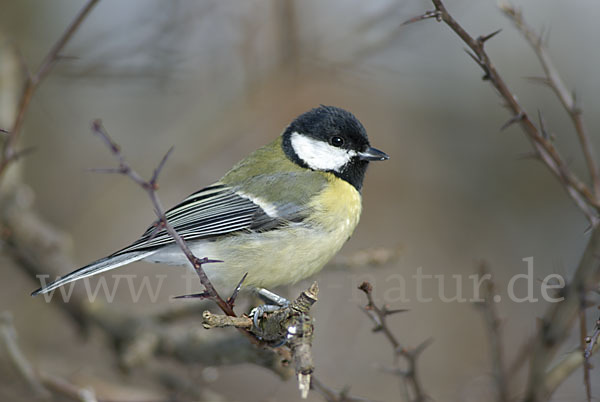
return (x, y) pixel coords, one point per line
(279, 215)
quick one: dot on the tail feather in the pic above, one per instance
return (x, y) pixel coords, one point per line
(102, 265)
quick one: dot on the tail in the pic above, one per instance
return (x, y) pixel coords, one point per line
(102, 265)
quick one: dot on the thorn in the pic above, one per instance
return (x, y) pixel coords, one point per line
(474, 57)
(516, 118)
(231, 300)
(198, 262)
(206, 260)
(486, 71)
(429, 14)
(483, 39)
(395, 311)
(203, 295)
(424, 345)
(158, 226)
(159, 168)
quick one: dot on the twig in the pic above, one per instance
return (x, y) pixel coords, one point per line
(40, 382)
(150, 187)
(557, 322)
(63, 387)
(210, 321)
(567, 98)
(555, 82)
(563, 369)
(9, 338)
(592, 340)
(331, 395)
(583, 344)
(379, 317)
(579, 192)
(493, 323)
(33, 81)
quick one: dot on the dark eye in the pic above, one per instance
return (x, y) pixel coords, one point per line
(336, 141)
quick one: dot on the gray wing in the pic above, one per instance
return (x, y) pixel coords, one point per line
(214, 211)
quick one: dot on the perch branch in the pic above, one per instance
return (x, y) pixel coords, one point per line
(291, 325)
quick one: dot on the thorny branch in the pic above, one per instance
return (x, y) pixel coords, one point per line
(409, 376)
(543, 146)
(150, 187)
(568, 99)
(32, 82)
(555, 82)
(558, 320)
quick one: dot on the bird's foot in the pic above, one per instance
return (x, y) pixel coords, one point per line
(273, 302)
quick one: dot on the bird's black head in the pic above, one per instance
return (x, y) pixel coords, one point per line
(331, 139)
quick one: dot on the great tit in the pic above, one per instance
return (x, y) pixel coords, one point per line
(279, 215)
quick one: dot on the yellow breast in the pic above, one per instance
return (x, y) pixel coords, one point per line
(337, 208)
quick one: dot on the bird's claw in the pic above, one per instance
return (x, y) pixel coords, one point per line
(273, 302)
(258, 312)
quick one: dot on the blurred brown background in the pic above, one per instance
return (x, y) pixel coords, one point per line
(219, 79)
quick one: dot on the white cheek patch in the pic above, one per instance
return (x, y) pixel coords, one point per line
(319, 155)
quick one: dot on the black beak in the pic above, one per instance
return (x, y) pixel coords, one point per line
(372, 154)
